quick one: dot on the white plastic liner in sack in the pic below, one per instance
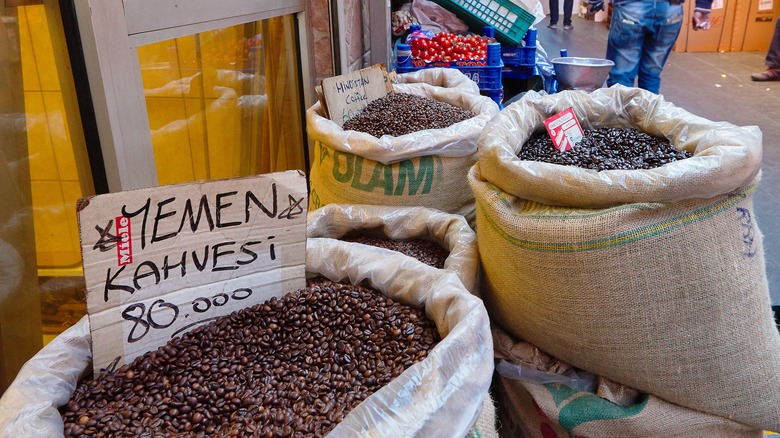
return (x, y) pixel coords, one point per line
(440, 77)
(450, 231)
(425, 168)
(440, 396)
(654, 278)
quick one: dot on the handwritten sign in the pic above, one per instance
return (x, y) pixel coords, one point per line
(159, 262)
(564, 129)
(348, 95)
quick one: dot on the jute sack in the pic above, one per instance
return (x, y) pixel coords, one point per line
(450, 231)
(485, 426)
(425, 168)
(440, 77)
(441, 396)
(540, 401)
(651, 278)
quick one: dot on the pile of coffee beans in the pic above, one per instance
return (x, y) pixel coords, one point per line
(606, 149)
(293, 366)
(402, 113)
(430, 253)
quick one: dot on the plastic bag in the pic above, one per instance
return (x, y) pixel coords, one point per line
(457, 140)
(399, 223)
(440, 77)
(534, 7)
(435, 18)
(440, 396)
(725, 156)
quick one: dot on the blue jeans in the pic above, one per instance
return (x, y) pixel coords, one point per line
(641, 36)
(773, 54)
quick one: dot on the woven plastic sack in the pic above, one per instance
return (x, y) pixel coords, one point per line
(450, 231)
(651, 278)
(440, 77)
(441, 396)
(542, 399)
(425, 168)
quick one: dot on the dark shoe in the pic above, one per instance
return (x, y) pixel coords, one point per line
(552, 25)
(770, 74)
(568, 27)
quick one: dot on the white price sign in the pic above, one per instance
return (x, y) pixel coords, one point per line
(159, 262)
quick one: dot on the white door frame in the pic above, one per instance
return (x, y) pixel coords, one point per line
(111, 32)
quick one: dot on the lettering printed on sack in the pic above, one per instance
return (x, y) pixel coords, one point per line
(404, 178)
(748, 231)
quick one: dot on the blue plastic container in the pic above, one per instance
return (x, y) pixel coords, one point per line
(521, 56)
(496, 95)
(486, 73)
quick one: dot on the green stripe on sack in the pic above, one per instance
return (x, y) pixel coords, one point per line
(637, 234)
(578, 407)
(474, 433)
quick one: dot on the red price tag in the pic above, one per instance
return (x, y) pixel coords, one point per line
(564, 129)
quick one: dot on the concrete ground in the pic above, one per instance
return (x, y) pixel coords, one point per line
(715, 86)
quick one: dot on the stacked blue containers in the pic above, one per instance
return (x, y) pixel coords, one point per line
(486, 73)
(520, 62)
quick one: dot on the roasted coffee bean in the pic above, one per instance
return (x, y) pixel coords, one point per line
(606, 149)
(402, 113)
(284, 379)
(430, 253)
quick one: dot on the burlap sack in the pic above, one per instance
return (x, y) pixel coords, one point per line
(660, 284)
(485, 427)
(450, 231)
(441, 396)
(426, 168)
(540, 406)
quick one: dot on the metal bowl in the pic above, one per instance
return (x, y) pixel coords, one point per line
(581, 73)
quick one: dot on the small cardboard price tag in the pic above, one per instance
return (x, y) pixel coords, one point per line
(348, 95)
(564, 129)
(159, 262)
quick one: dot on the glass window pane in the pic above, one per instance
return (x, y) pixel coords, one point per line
(224, 103)
(43, 172)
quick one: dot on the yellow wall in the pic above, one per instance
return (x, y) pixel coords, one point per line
(54, 170)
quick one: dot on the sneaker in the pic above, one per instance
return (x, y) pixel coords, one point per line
(568, 27)
(770, 74)
(552, 25)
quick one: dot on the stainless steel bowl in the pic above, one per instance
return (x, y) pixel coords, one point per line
(575, 73)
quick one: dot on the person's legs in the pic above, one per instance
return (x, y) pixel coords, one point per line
(664, 24)
(568, 5)
(553, 13)
(773, 55)
(624, 43)
(772, 61)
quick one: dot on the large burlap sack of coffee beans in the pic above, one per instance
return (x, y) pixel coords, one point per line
(426, 167)
(541, 396)
(653, 278)
(449, 231)
(440, 77)
(441, 395)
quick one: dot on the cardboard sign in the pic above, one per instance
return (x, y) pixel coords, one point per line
(159, 262)
(564, 129)
(348, 95)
